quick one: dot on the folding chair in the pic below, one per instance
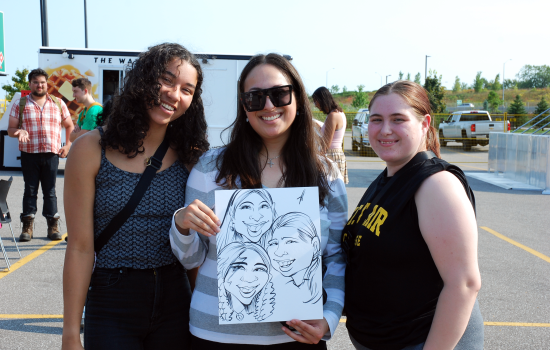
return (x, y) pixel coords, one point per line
(5, 217)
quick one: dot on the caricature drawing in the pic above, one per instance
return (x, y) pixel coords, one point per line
(249, 215)
(245, 289)
(294, 249)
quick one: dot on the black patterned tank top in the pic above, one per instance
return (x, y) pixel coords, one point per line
(143, 241)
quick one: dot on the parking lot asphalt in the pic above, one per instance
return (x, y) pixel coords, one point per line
(513, 226)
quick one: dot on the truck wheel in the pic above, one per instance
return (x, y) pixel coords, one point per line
(354, 146)
(442, 142)
(466, 144)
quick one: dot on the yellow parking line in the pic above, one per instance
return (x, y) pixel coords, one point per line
(31, 256)
(21, 316)
(517, 324)
(510, 324)
(519, 245)
(471, 166)
(465, 154)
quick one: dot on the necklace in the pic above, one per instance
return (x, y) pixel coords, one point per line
(270, 160)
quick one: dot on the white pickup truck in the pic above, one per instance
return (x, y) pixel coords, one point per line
(469, 127)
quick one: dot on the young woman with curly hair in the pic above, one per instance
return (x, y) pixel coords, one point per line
(138, 294)
(273, 144)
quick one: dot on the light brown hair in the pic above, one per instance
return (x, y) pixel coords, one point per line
(417, 98)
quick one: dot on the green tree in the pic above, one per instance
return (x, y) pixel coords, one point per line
(478, 83)
(334, 89)
(436, 92)
(417, 78)
(19, 83)
(456, 86)
(344, 89)
(360, 100)
(496, 85)
(493, 102)
(542, 106)
(463, 86)
(517, 106)
(408, 76)
(534, 77)
(400, 75)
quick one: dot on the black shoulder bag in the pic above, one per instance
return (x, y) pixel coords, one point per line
(153, 163)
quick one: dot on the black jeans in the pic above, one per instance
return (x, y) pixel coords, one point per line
(202, 344)
(138, 309)
(39, 168)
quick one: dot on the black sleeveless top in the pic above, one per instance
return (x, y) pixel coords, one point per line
(143, 241)
(392, 283)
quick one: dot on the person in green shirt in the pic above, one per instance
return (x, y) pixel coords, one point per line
(87, 119)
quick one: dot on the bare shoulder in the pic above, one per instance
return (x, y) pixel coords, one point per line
(441, 191)
(85, 153)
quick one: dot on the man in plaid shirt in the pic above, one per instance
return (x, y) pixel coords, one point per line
(40, 145)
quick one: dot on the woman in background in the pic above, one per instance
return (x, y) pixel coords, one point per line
(333, 129)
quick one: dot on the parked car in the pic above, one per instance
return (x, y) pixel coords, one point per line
(359, 133)
(469, 127)
(470, 105)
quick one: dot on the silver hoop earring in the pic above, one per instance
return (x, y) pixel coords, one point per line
(297, 113)
(247, 120)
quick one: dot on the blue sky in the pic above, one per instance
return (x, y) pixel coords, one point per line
(361, 40)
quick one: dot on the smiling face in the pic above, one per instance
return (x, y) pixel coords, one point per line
(246, 277)
(289, 254)
(38, 85)
(272, 123)
(253, 217)
(395, 131)
(79, 94)
(177, 86)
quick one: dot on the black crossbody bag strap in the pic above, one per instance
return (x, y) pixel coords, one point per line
(153, 164)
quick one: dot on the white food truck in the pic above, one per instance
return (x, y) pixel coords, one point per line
(106, 69)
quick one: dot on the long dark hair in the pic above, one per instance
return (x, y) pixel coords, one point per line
(417, 98)
(128, 122)
(325, 100)
(304, 164)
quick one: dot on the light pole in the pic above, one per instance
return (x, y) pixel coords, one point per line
(389, 75)
(44, 20)
(85, 26)
(380, 78)
(426, 69)
(326, 81)
(503, 67)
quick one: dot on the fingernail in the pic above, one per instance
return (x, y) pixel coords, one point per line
(219, 223)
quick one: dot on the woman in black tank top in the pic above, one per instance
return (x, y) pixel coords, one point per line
(412, 277)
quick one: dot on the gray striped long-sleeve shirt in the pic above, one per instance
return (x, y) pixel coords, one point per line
(198, 250)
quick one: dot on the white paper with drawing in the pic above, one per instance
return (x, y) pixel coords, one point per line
(269, 256)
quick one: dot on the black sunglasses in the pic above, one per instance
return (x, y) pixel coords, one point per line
(255, 100)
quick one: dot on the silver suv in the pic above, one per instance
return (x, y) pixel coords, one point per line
(359, 133)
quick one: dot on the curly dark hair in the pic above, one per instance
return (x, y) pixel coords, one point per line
(305, 165)
(128, 121)
(37, 72)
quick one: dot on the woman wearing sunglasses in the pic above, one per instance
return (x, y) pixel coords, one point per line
(273, 144)
(333, 129)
